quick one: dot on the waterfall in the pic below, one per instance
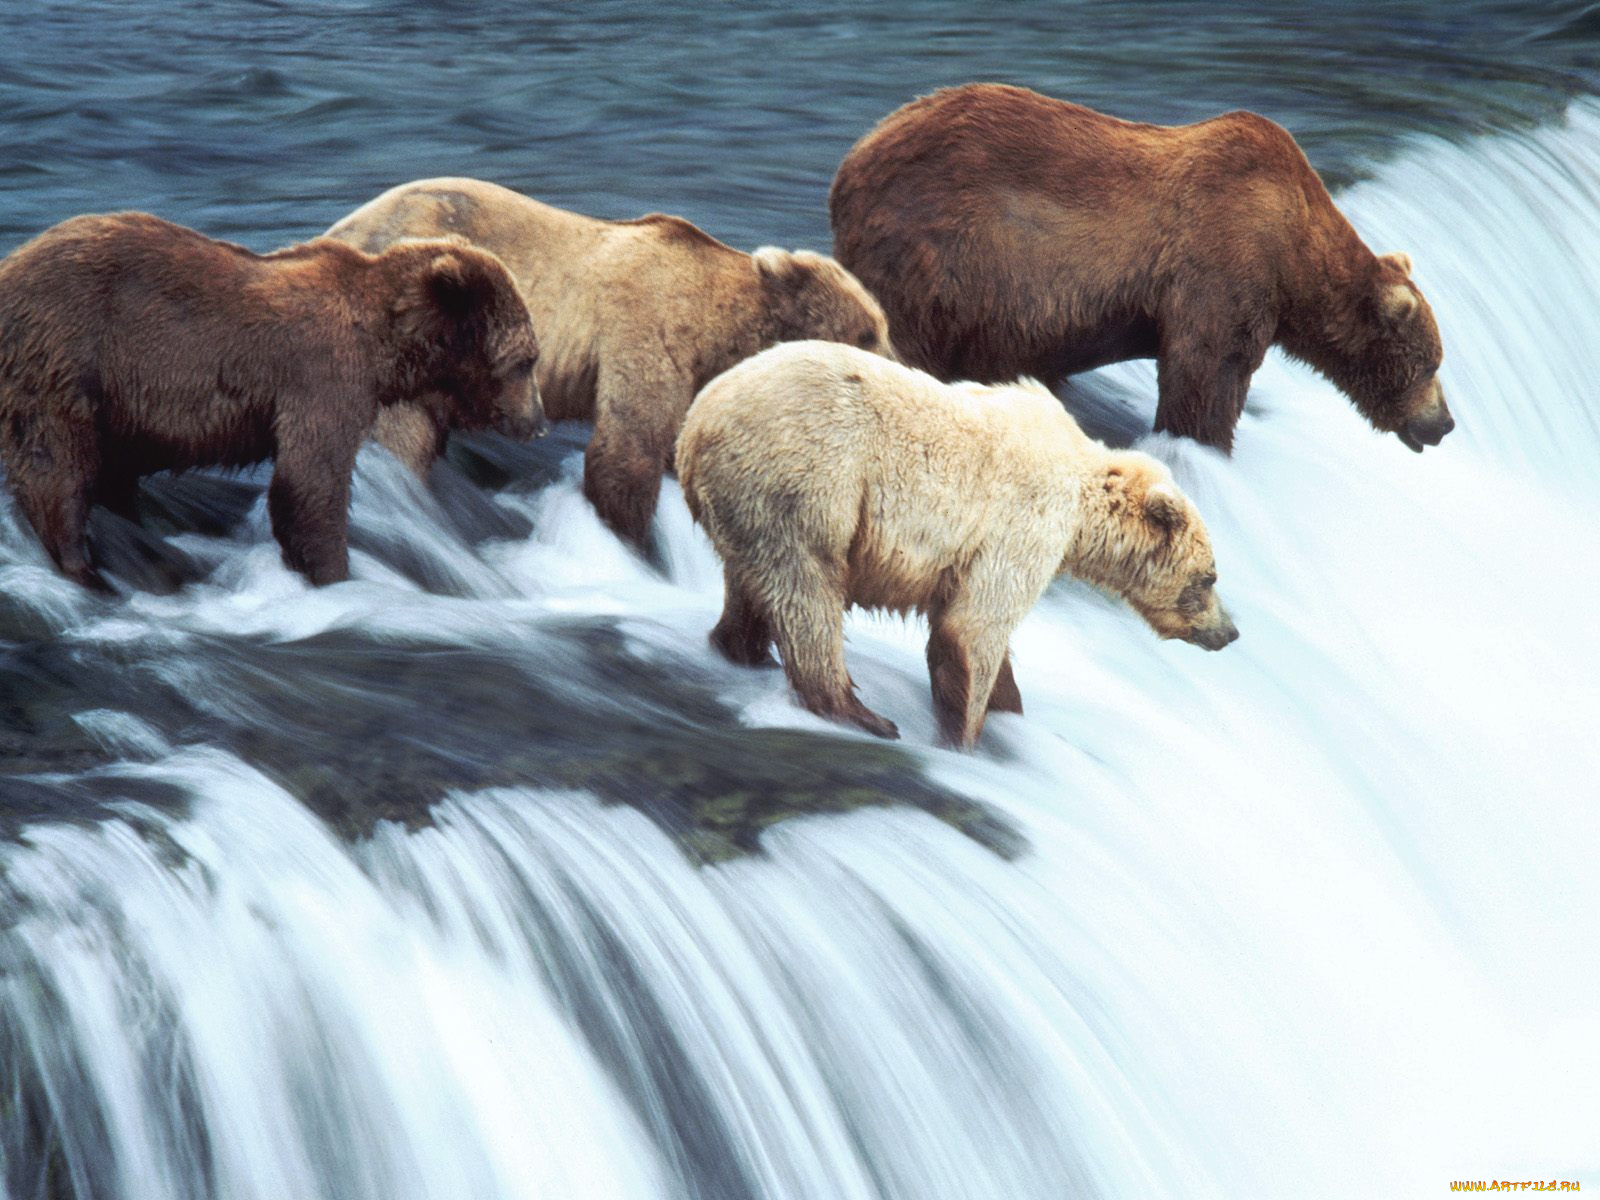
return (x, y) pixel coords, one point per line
(1314, 916)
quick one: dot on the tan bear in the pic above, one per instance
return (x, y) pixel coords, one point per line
(1010, 234)
(129, 345)
(633, 317)
(826, 477)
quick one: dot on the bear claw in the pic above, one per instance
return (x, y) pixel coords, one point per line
(875, 725)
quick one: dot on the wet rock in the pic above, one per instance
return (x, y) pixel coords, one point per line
(412, 723)
(51, 767)
(363, 731)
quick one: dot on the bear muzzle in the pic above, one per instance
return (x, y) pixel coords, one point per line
(1221, 632)
(1429, 426)
(524, 422)
(522, 427)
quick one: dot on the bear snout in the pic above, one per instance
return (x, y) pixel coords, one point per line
(1215, 636)
(522, 427)
(526, 427)
(1429, 426)
(523, 421)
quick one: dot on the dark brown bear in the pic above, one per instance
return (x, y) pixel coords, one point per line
(1010, 234)
(129, 345)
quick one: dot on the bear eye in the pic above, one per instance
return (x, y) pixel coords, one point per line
(868, 339)
(522, 368)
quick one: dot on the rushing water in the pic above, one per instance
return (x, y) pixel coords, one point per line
(479, 876)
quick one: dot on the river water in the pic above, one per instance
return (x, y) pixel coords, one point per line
(479, 876)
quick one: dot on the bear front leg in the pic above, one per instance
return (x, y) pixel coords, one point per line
(309, 502)
(410, 433)
(622, 480)
(961, 670)
(640, 403)
(59, 514)
(805, 599)
(1203, 376)
(52, 464)
(967, 646)
(743, 635)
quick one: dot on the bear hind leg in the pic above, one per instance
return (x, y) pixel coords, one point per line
(623, 484)
(807, 609)
(743, 635)
(640, 402)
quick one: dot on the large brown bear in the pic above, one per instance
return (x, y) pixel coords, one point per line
(827, 477)
(633, 317)
(1010, 234)
(129, 345)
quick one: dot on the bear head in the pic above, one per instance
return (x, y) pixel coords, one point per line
(1394, 370)
(1143, 539)
(810, 297)
(465, 337)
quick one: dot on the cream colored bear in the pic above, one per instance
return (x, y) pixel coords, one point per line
(826, 476)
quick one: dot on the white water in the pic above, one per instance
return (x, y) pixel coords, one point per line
(1314, 916)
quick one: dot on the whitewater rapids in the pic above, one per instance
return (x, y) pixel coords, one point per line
(1315, 916)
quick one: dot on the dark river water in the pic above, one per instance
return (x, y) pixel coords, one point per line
(265, 122)
(478, 876)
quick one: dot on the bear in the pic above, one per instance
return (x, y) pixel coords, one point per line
(826, 477)
(634, 317)
(1007, 233)
(130, 345)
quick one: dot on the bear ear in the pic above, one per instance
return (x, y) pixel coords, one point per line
(1164, 507)
(457, 284)
(1125, 473)
(778, 266)
(1399, 259)
(1397, 302)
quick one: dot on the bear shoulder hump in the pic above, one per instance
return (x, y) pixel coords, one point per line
(669, 230)
(1254, 140)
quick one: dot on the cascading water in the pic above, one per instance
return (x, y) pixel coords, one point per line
(1311, 917)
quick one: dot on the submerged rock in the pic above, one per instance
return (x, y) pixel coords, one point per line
(398, 727)
(363, 731)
